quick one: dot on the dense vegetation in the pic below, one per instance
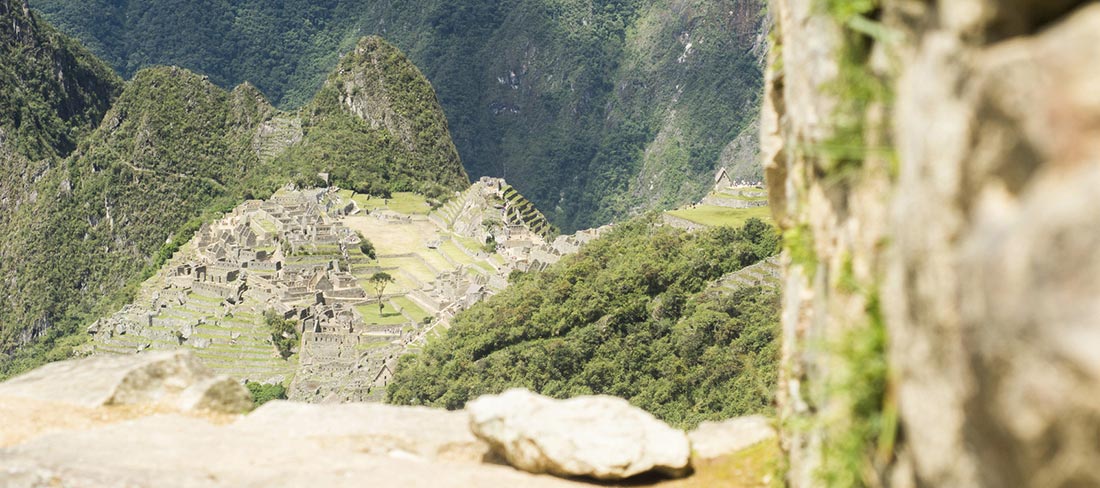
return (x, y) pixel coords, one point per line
(631, 315)
(173, 151)
(265, 392)
(284, 333)
(53, 92)
(593, 109)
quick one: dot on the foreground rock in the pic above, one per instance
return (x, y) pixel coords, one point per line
(597, 436)
(157, 420)
(178, 451)
(712, 440)
(172, 379)
(406, 432)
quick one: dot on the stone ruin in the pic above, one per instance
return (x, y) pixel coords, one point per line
(294, 255)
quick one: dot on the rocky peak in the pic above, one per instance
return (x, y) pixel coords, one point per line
(376, 82)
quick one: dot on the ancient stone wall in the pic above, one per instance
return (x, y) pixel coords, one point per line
(933, 165)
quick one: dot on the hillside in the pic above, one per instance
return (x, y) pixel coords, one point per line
(653, 314)
(54, 92)
(173, 151)
(595, 111)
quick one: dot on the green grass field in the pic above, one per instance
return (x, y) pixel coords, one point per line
(714, 216)
(738, 195)
(410, 308)
(389, 315)
(402, 202)
(452, 251)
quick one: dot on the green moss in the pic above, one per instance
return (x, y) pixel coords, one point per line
(799, 242)
(856, 88)
(859, 434)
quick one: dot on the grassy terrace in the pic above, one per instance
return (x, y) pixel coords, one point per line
(470, 244)
(402, 202)
(435, 260)
(738, 195)
(452, 251)
(412, 266)
(366, 346)
(411, 309)
(714, 216)
(389, 315)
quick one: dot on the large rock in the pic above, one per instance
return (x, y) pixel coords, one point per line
(176, 451)
(172, 379)
(596, 436)
(424, 433)
(712, 440)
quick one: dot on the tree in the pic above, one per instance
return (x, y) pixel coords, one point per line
(378, 282)
(265, 392)
(366, 247)
(284, 333)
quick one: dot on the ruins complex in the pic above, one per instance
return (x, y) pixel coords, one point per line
(298, 257)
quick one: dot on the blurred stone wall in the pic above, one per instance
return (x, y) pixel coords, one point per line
(956, 235)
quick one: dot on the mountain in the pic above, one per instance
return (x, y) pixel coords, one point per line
(377, 120)
(54, 90)
(81, 229)
(594, 110)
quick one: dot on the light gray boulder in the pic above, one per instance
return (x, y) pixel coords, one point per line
(712, 440)
(600, 437)
(410, 432)
(175, 379)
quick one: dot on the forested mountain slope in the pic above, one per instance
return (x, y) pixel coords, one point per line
(636, 314)
(594, 110)
(79, 233)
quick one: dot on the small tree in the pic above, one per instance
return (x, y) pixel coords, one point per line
(366, 247)
(284, 333)
(379, 281)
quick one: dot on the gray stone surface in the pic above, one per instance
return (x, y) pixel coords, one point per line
(175, 451)
(596, 436)
(712, 440)
(426, 433)
(171, 378)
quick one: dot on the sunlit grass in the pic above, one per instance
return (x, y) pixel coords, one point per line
(714, 216)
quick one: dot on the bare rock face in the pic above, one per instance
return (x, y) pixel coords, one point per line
(712, 440)
(964, 231)
(174, 379)
(595, 436)
(410, 432)
(178, 451)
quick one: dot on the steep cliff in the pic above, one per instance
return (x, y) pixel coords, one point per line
(934, 167)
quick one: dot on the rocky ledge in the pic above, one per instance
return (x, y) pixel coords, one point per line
(163, 419)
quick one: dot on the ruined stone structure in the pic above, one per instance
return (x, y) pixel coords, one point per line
(934, 165)
(297, 255)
